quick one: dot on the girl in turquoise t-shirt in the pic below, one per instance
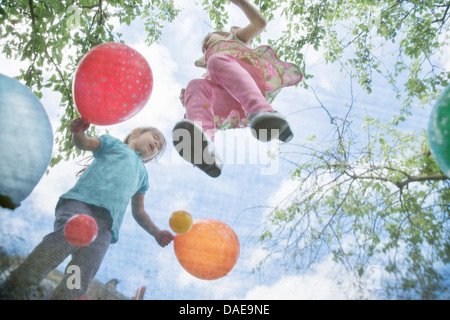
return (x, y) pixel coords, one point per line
(116, 175)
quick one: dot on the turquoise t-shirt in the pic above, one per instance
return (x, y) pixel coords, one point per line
(114, 176)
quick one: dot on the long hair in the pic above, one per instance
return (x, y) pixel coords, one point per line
(139, 131)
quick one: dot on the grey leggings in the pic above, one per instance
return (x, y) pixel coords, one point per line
(54, 249)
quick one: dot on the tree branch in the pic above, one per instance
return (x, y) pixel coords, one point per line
(33, 20)
(436, 177)
(399, 184)
(63, 79)
(444, 16)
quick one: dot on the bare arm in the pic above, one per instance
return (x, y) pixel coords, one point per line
(79, 137)
(257, 21)
(163, 237)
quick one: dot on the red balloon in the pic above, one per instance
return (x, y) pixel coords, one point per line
(81, 230)
(209, 250)
(112, 83)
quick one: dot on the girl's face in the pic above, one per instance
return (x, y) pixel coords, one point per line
(148, 144)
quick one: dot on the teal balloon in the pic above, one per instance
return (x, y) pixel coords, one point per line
(439, 132)
(26, 142)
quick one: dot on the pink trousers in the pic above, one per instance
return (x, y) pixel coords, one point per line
(234, 85)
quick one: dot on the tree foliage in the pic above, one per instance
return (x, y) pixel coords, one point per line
(366, 198)
(397, 39)
(52, 36)
(381, 196)
(384, 195)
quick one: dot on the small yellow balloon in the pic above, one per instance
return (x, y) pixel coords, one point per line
(180, 222)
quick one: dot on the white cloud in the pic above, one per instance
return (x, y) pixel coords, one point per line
(182, 199)
(286, 188)
(326, 282)
(14, 225)
(257, 255)
(207, 289)
(444, 54)
(60, 179)
(11, 68)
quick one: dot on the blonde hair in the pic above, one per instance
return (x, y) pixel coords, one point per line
(139, 132)
(219, 32)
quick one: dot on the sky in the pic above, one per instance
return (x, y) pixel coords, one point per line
(250, 186)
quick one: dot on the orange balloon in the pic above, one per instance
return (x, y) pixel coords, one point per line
(209, 250)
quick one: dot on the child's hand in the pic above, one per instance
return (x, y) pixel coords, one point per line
(182, 96)
(80, 139)
(78, 126)
(164, 237)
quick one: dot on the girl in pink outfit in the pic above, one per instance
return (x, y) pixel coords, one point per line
(236, 92)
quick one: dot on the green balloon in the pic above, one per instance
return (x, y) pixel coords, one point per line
(439, 132)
